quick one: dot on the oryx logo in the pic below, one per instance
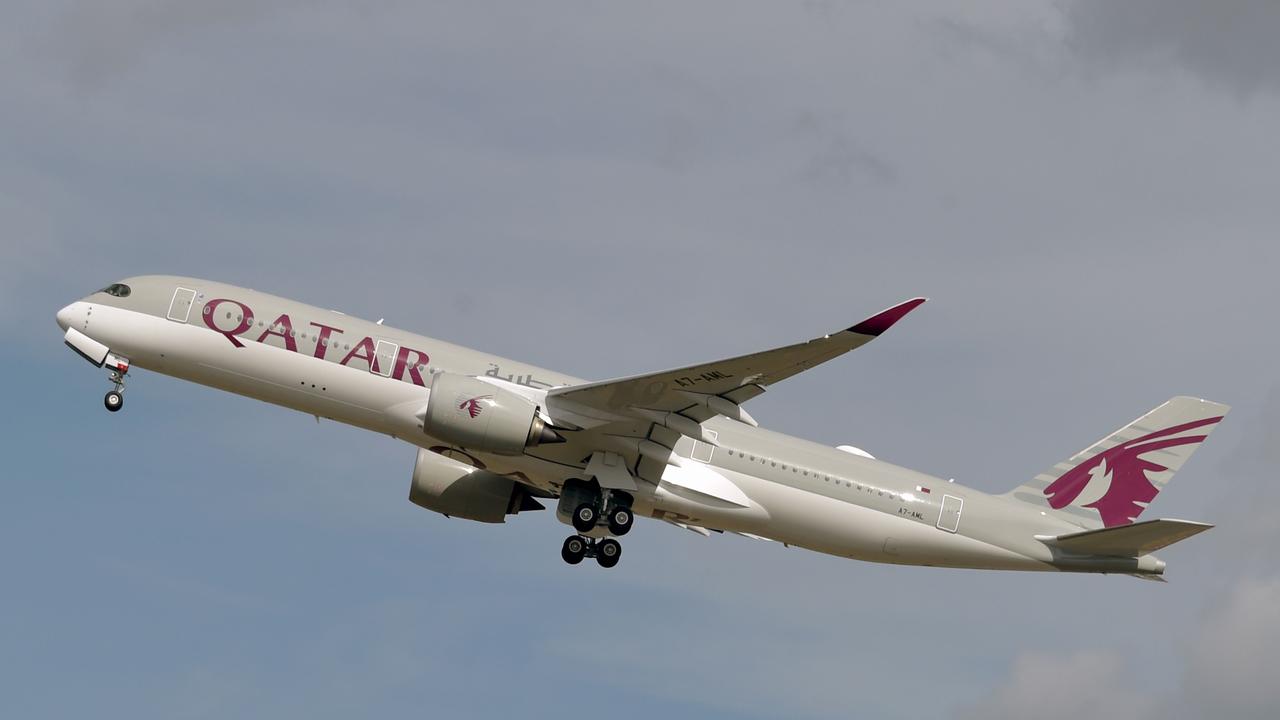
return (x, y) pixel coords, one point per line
(472, 406)
(1117, 477)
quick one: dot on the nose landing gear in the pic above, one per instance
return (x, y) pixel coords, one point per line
(114, 399)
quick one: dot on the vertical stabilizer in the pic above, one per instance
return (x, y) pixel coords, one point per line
(1111, 482)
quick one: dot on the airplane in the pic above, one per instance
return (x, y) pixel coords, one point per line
(496, 437)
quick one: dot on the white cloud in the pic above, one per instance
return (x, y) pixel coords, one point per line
(1232, 660)
(1088, 684)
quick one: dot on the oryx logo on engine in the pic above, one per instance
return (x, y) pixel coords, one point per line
(472, 406)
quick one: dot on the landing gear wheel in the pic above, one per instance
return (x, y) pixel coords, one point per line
(608, 552)
(575, 548)
(114, 401)
(585, 517)
(620, 520)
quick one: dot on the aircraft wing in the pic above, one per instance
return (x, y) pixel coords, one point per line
(699, 392)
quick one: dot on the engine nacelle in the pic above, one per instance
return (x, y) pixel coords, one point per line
(480, 416)
(458, 490)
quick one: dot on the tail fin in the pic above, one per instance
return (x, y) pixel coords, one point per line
(1111, 482)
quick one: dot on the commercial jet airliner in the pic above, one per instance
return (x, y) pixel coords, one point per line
(497, 436)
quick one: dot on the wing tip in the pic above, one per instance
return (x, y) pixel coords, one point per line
(877, 324)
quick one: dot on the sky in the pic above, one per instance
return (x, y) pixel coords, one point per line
(1086, 190)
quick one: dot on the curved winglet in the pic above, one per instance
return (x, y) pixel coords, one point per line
(877, 324)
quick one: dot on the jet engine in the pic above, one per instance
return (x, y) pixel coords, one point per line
(457, 490)
(480, 416)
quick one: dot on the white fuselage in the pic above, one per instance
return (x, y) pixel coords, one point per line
(378, 378)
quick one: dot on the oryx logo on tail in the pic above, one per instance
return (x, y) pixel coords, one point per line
(1116, 478)
(472, 406)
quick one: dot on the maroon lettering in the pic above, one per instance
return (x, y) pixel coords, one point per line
(414, 365)
(210, 315)
(286, 332)
(364, 351)
(322, 343)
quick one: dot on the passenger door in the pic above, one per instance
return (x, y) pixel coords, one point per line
(384, 357)
(949, 518)
(180, 305)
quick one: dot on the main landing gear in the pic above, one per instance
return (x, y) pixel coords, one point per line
(607, 552)
(595, 514)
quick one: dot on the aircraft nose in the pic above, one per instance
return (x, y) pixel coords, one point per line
(65, 316)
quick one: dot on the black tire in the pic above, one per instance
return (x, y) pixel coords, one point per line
(608, 552)
(620, 520)
(574, 549)
(113, 401)
(585, 518)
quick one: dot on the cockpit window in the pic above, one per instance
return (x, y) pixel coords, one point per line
(117, 289)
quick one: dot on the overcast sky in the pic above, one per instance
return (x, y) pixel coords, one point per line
(1087, 191)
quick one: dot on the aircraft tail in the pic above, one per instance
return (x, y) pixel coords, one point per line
(1111, 482)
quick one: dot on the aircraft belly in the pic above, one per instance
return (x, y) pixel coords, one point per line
(836, 527)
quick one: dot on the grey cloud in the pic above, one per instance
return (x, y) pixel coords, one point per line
(99, 41)
(1230, 43)
(837, 158)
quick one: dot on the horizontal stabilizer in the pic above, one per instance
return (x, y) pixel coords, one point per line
(1127, 540)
